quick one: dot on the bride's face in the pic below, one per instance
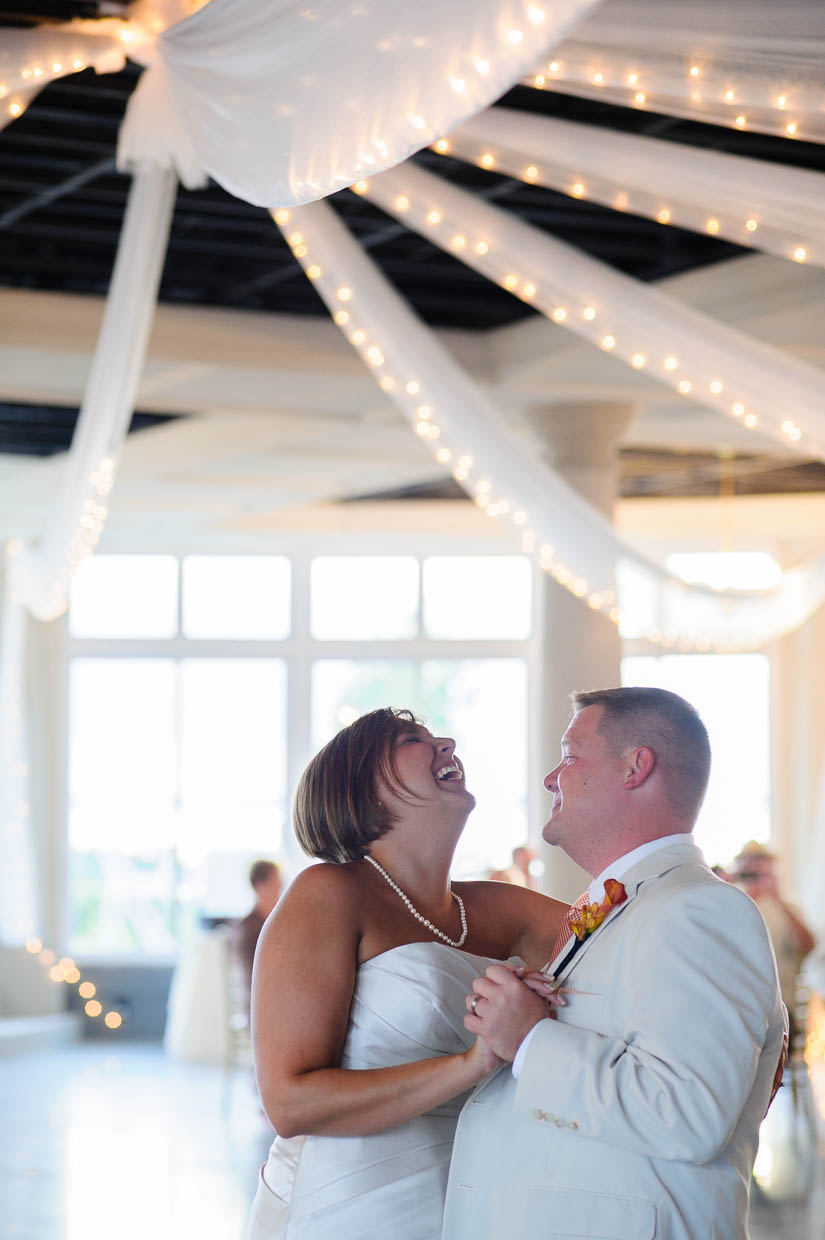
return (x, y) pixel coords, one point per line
(430, 774)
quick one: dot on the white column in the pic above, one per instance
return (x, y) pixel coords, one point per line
(581, 648)
(798, 765)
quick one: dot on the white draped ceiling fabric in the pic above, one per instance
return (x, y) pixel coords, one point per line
(753, 203)
(752, 66)
(42, 574)
(237, 90)
(572, 539)
(698, 356)
(286, 103)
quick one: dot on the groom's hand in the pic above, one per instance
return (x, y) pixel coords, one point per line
(505, 1011)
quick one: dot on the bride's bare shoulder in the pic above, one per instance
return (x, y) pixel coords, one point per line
(324, 893)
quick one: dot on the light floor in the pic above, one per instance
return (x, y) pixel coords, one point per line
(116, 1141)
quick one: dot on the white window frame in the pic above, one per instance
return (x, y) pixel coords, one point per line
(300, 650)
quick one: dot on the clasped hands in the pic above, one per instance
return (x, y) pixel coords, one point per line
(505, 1005)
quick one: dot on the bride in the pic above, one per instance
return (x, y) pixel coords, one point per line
(361, 973)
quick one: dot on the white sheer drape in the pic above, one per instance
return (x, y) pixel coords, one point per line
(284, 102)
(753, 66)
(505, 475)
(18, 896)
(701, 358)
(31, 58)
(43, 574)
(752, 202)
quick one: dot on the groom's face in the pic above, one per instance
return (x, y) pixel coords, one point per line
(584, 785)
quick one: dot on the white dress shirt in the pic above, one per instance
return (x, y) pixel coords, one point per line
(596, 894)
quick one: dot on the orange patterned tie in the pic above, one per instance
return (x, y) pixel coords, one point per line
(564, 931)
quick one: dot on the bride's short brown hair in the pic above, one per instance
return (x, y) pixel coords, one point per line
(337, 813)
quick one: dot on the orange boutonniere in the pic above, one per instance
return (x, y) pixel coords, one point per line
(591, 916)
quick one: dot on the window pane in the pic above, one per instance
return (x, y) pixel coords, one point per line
(364, 598)
(343, 689)
(122, 902)
(121, 738)
(233, 729)
(178, 783)
(480, 702)
(731, 693)
(125, 596)
(483, 704)
(477, 596)
(242, 597)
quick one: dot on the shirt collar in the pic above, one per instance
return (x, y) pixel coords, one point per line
(621, 865)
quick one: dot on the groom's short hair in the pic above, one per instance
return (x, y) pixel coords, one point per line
(665, 723)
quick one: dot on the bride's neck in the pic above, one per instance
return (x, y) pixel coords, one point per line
(423, 877)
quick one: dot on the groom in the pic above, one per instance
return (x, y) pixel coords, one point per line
(635, 1114)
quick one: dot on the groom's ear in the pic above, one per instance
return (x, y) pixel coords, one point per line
(641, 763)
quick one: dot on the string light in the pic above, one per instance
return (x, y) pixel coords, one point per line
(712, 225)
(531, 172)
(433, 217)
(606, 74)
(800, 254)
(664, 216)
(499, 506)
(751, 225)
(487, 160)
(66, 971)
(577, 189)
(608, 342)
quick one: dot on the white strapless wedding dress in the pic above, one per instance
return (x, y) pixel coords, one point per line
(408, 1005)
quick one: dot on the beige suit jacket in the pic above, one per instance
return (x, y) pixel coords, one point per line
(636, 1113)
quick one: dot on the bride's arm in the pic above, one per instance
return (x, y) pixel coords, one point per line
(301, 994)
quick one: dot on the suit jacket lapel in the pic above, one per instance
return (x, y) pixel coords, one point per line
(650, 867)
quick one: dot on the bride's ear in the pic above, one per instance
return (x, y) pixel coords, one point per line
(640, 766)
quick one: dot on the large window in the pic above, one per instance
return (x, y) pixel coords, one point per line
(731, 694)
(199, 688)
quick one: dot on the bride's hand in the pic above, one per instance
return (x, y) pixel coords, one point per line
(542, 985)
(483, 1059)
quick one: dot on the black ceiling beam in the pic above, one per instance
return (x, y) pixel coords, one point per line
(54, 192)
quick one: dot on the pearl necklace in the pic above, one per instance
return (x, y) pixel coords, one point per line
(429, 925)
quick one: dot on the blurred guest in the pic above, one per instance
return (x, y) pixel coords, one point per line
(527, 863)
(754, 870)
(267, 883)
(521, 871)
